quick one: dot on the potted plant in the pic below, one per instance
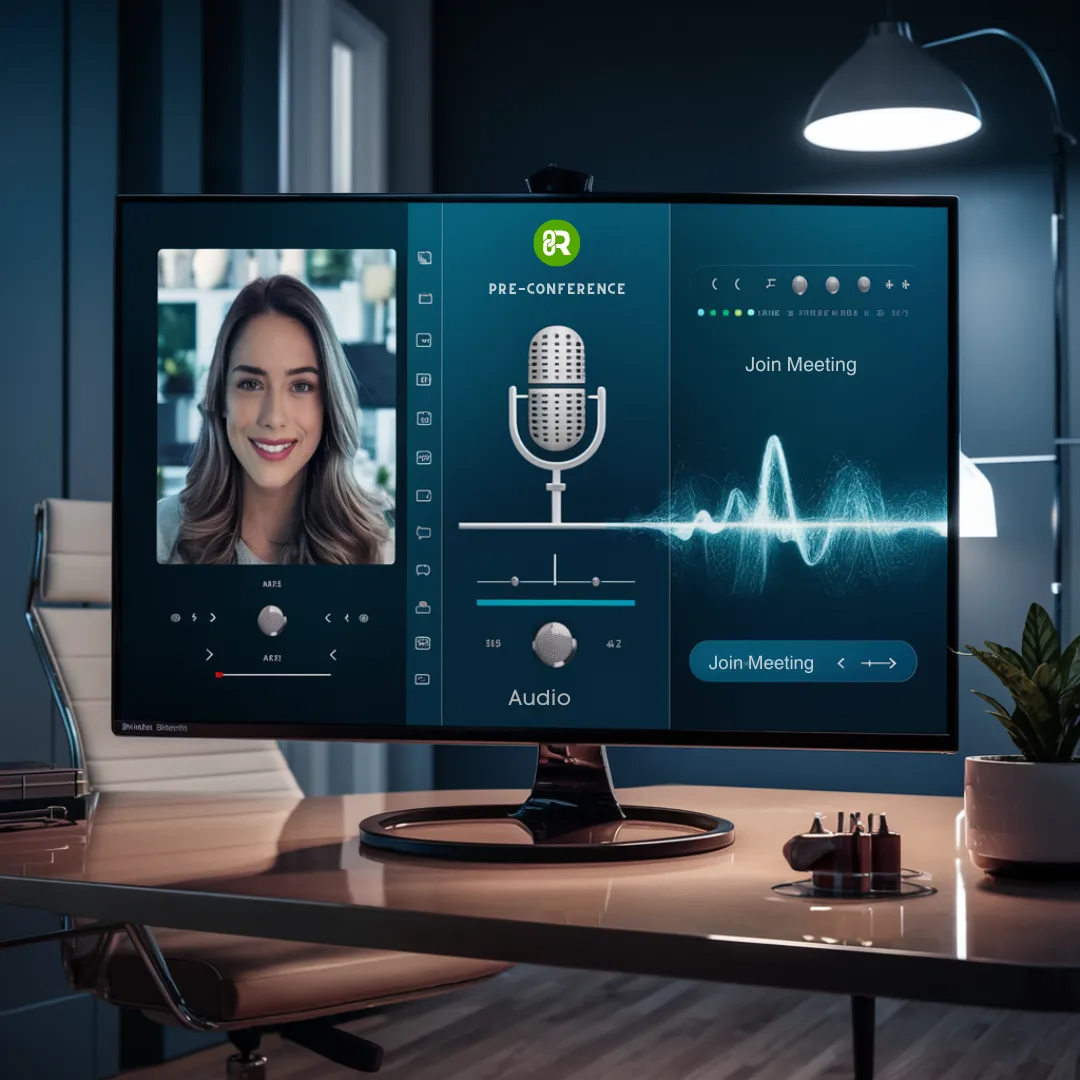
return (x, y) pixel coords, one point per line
(1020, 808)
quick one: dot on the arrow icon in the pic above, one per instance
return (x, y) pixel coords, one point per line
(212, 616)
(840, 663)
(208, 655)
(328, 616)
(333, 654)
(346, 618)
(890, 663)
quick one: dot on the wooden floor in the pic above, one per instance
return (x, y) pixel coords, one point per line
(549, 1024)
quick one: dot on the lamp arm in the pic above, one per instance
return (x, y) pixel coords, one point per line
(1032, 55)
(1060, 519)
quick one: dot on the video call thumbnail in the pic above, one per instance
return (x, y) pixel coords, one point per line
(276, 414)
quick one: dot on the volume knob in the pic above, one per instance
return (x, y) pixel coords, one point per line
(554, 644)
(272, 620)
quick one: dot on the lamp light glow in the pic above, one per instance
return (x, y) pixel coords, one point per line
(978, 515)
(900, 128)
(891, 95)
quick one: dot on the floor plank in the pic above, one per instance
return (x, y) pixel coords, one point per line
(549, 1024)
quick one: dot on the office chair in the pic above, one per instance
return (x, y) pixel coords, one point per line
(244, 987)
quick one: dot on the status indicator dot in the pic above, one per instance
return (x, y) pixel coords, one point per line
(738, 311)
(749, 311)
(712, 311)
(726, 312)
(701, 311)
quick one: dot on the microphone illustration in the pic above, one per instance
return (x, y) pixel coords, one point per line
(557, 399)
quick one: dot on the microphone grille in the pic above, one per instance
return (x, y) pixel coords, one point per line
(556, 418)
(272, 621)
(557, 356)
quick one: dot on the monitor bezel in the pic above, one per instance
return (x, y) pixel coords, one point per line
(946, 742)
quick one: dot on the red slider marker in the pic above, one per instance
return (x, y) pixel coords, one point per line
(219, 674)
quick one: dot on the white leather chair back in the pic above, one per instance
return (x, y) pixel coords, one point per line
(70, 619)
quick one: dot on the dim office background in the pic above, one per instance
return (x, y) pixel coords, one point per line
(147, 96)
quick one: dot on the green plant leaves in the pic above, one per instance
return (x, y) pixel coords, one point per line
(1042, 731)
(1018, 726)
(1011, 655)
(1040, 644)
(1069, 666)
(1044, 683)
(1048, 679)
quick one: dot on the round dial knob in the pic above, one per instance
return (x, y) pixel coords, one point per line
(272, 620)
(554, 644)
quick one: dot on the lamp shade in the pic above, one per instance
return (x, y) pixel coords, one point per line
(978, 516)
(891, 95)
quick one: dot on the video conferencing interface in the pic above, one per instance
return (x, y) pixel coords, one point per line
(679, 468)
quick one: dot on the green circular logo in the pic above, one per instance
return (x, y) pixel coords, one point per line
(556, 243)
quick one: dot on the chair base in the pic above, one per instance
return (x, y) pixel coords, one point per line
(246, 1066)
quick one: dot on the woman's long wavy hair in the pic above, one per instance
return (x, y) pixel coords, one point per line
(335, 521)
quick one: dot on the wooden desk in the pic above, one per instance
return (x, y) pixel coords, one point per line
(292, 868)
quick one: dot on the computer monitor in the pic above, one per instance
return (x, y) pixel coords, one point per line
(673, 470)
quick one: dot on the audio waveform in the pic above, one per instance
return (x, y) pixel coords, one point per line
(853, 535)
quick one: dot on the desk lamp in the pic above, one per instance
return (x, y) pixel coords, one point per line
(892, 95)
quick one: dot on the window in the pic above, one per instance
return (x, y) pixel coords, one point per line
(341, 117)
(333, 99)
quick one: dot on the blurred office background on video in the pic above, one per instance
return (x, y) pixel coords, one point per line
(196, 288)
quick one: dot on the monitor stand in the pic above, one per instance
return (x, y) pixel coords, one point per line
(571, 815)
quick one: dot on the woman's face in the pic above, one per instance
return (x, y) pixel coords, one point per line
(273, 404)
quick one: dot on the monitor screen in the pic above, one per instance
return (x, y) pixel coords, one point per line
(625, 469)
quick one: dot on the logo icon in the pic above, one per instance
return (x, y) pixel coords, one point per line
(423, 418)
(423, 457)
(556, 243)
(423, 341)
(423, 378)
(422, 643)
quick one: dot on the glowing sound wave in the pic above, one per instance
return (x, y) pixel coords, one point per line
(856, 535)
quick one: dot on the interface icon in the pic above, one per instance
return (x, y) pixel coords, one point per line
(557, 403)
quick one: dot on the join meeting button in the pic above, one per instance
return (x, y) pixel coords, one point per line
(803, 661)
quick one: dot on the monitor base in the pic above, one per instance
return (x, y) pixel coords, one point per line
(571, 815)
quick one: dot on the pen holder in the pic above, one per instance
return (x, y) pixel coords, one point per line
(854, 861)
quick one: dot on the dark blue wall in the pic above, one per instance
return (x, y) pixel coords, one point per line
(55, 230)
(695, 95)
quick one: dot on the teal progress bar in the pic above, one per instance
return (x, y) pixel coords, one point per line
(555, 603)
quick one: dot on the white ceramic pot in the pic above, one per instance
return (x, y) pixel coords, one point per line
(1020, 816)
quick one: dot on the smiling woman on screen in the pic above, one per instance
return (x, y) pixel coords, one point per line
(271, 480)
